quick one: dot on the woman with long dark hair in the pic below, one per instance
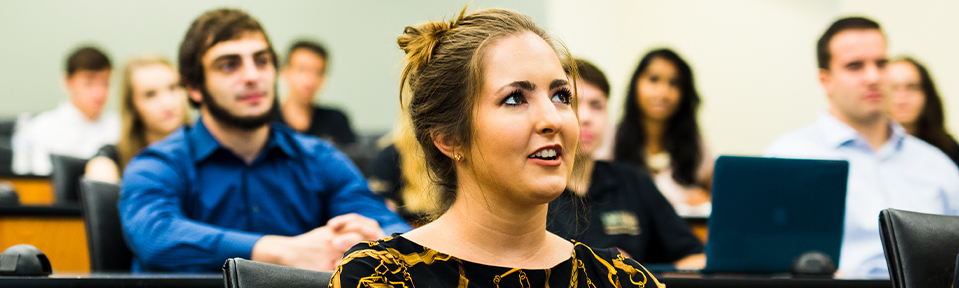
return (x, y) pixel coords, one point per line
(616, 204)
(916, 105)
(660, 133)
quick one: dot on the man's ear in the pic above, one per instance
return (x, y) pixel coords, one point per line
(445, 144)
(825, 80)
(194, 94)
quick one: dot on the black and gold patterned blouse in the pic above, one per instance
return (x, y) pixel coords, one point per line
(395, 262)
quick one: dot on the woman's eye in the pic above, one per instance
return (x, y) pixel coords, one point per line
(597, 106)
(515, 98)
(561, 97)
(653, 79)
(151, 93)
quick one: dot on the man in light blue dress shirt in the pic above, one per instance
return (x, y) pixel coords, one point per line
(887, 167)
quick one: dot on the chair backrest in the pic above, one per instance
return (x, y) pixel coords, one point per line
(955, 277)
(919, 247)
(7, 127)
(108, 250)
(239, 272)
(66, 175)
(6, 160)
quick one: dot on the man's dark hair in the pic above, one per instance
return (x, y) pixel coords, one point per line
(206, 31)
(311, 46)
(87, 58)
(849, 23)
(590, 73)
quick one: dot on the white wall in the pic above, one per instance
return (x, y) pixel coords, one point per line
(754, 61)
(361, 35)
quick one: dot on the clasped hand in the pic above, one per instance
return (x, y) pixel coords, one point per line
(321, 248)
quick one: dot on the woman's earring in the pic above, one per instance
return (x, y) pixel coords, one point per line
(457, 157)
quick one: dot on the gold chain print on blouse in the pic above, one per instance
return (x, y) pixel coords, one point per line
(391, 270)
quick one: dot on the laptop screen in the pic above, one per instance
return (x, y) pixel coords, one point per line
(768, 211)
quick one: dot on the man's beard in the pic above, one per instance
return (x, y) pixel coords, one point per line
(240, 122)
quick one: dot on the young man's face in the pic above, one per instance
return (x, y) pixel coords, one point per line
(89, 91)
(240, 79)
(305, 74)
(856, 75)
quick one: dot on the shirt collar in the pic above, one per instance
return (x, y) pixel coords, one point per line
(204, 144)
(837, 133)
(72, 111)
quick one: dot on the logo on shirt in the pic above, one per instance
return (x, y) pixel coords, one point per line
(620, 222)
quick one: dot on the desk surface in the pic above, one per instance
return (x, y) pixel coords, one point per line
(60, 210)
(680, 280)
(116, 280)
(677, 280)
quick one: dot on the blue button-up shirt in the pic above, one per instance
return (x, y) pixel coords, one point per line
(905, 173)
(187, 203)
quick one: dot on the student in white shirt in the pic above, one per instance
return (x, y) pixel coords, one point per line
(887, 167)
(77, 127)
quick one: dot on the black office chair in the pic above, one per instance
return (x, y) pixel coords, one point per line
(66, 177)
(919, 247)
(239, 273)
(955, 277)
(363, 151)
(7, 127)
(6, 146)
(6, 160)
(101, 218)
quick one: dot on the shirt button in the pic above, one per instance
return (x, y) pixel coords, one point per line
(256, 209)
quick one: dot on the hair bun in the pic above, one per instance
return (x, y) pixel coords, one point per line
(418, 42)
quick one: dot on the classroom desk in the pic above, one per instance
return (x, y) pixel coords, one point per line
(216, 280)
(682, 280)
(116, 280)
(56, 230)
(33, 190)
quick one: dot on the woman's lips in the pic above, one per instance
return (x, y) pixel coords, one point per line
(544, 162)
(586, 137)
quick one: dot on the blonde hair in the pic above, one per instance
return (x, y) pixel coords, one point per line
(443, 76)
(133, 130)
(418, 192)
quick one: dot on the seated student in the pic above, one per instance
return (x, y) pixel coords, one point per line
(305, 73)
(77, 128)
(152, 105)
(620, 205)
(660, 133)
(887, 167)
(499, 167)
(237, 184)
(399, 174)
(916, 105)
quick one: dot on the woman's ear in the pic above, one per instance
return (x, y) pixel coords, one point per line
(444, 143)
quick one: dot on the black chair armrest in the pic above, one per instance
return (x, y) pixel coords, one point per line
(239, 273)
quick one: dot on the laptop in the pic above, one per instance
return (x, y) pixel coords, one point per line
(768, 211)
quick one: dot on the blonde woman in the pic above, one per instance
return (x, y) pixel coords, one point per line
(399, 174)
(493, 110)
(152, 105)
